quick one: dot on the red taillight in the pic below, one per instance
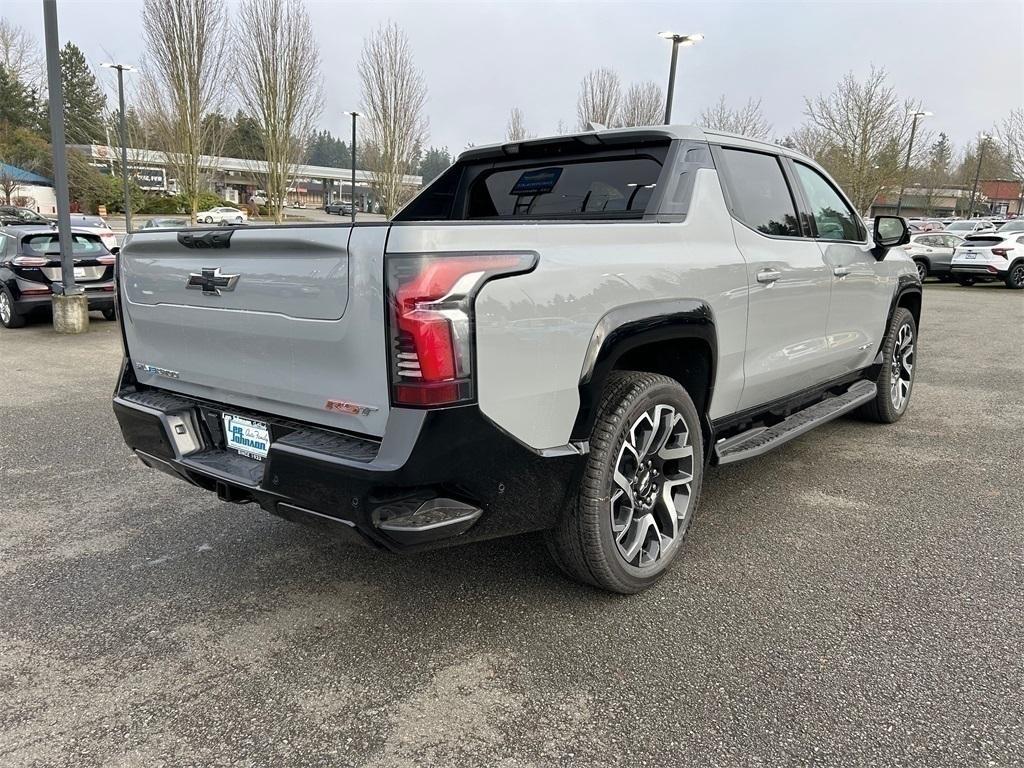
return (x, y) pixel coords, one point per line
(431, 322)
(30, 261)
(1004, 252)
(35, 292)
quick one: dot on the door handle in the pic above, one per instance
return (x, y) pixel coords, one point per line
(768, 275)
(840, 271)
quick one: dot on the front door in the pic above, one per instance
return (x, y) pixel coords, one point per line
(860, 302)
(788, 281)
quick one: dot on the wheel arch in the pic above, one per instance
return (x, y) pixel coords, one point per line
(673, 337)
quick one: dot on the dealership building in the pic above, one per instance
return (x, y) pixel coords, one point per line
(236, 179)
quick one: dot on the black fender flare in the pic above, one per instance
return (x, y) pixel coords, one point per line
(634, 325)
(906, 285)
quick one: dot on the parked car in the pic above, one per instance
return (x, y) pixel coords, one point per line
(991, 256)
(223, 214)
(477, 368)
(17, 216)
(166, 223)
(30, 267)
(337, 206)
(1013, 225)
(932, 253)
(967, 227)
(98, 226)
(924, 225)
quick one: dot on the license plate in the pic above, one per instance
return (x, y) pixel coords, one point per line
(250, 438)
(79, 273)
(968, 254)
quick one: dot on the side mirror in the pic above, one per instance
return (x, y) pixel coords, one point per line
(890, 232)
(115, 250)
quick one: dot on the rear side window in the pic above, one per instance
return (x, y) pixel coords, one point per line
(760, 195)
(832, 216)
(611, 187)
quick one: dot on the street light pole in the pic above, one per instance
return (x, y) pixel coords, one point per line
(906, 165)
(70, 306)
(353, 195)
(121, 69)
(677, 40)
(977, 172)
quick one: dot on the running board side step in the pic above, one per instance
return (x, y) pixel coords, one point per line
(754, 442)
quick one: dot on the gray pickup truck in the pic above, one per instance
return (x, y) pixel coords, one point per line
(555, 335)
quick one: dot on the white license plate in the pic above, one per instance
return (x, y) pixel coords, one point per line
(250, 438)
(969, 254)
(79, 273)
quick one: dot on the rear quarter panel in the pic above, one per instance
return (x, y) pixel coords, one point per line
(533, 330)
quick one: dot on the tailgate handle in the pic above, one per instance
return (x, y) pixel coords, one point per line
(213, 238)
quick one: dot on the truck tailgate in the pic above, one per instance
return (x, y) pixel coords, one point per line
(287, 321)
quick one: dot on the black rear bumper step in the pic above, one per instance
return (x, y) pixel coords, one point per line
(755, 442)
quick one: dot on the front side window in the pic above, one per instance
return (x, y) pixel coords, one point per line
(759, 192)
(833, 217)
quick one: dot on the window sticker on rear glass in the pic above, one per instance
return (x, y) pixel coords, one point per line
(537, 182)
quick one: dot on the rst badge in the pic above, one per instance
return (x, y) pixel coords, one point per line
(167, 373)
(353, 409)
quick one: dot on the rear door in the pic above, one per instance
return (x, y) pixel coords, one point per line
(860, 302)
(287, 321)
(788, 280)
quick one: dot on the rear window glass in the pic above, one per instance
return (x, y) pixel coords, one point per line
(49, 245)
(610, 187)
(760, 192)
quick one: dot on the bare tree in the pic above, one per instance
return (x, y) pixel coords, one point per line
(642, 105)
(599, 98)
(516, 129)
(277, 65)
(20, 55)
(394, 95)
(182, 84)
(861, 132)
(1010, 133)
(10, 180)
(746, 121)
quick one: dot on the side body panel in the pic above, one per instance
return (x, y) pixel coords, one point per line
(533, 330)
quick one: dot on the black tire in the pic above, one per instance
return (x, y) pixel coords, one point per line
(9, 316)
(110, 314)
(922, 268)
(1015, 276)
(584, 545)
(965, 280)
(883, 409)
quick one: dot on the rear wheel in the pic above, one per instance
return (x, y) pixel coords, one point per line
(922, 269)
(896, 379)
(965, 280)
(209, 219)
(110, 314)
(9, 316)
(1015, 277)
(639, 489)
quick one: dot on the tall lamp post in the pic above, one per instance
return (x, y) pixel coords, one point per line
(354, 116)
(906, 165)
(123, 129)
(985, 139)
(677, 40)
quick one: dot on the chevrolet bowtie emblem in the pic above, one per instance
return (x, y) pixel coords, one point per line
(211, 281)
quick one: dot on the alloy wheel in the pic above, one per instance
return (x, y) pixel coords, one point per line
(652, 488)
(1017, 276)
(902, 363)
(5, 308)
(922, 270)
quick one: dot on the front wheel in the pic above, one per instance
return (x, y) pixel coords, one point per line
(896, 379)
(209, 219)
(238, 219)
(639, 489)
(110, 314)
(965, 281)
(1015, 277)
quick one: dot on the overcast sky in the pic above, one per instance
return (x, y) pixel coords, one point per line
(963, 60)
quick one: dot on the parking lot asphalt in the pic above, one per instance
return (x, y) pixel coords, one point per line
(853, 598)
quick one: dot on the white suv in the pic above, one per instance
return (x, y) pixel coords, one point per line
(992, 256)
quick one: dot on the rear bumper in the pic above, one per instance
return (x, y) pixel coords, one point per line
(99, 299)
(981, 269)
(488, 484)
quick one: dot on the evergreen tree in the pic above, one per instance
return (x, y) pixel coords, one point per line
(940, 156)
(84, 102)
(435, 161)
(18, 108)
(243, 139)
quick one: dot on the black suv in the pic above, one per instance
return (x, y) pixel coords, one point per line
(30, 266)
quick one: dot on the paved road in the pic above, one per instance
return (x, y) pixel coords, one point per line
(855, 598)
